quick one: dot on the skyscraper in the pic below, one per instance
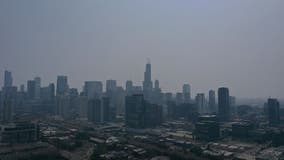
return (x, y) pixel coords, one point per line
(110, 86)
(179, 98)
(37, 87)
(73, 92)
(129, 87)
(47, 93)
(83, 107)
(232, 100)
(157, 85)
(186, 93)
(8, 102)
(106, 109)
(140, 113)
(7, 111)
(224, 104)
(62, 106)
(212, 101)
(95, 111)
(168, 97)
(134, 111)
(62, 85)
(89, 89)
(157, 93)
(147, 83)
(22, 88)
(98, 89)
(273, 111)
(31, 89)
(93, 89)
(52, 90)
(119, 107)
(8, 80)
(200, 103)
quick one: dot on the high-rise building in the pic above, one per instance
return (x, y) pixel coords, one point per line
(62, 106)
(1, 103)
(157, 85)
(186, 93)
(212, 101)
(95, 114)
(99, 110)
(157, 96)
(93, 89)
(273, 111)
(110, 86)
(106, 109)
(48, 93)
(73, 92)
(83, 107)
(119, 101)
(31, 89)
(52, 90)
(98, 89)
(137, 90)
(7, 116)
(179, 98)
(89, 89)
(62, 85)
(129, 87)
(134, 111)
(113, 99)
(140, 113)
(224, 104)
(168, 97)
(10, 93)
(37, 87)
(147, 83)
(8, 79)
(200, 103)
(232, 105)
(8, 103)
(22, 88)
(8, 98)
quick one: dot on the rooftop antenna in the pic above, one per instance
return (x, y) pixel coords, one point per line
(148, 60)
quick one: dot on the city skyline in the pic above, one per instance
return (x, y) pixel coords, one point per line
(190, 42)
(104, 84)
(141, 80)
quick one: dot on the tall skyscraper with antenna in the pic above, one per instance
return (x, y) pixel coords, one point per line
(147, 83)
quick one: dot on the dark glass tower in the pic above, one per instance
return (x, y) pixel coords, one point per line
(273, 111)
(31, 89)
(8, 80)
(224, 104)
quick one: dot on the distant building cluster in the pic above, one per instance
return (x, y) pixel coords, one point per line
(138, 107)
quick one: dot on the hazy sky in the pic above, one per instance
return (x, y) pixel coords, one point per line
(233, 43)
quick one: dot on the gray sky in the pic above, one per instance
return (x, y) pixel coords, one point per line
(233, 43)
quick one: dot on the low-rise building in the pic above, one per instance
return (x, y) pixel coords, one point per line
(19, 133)
(207, 128)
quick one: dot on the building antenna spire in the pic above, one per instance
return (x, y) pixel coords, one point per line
(148, 60)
